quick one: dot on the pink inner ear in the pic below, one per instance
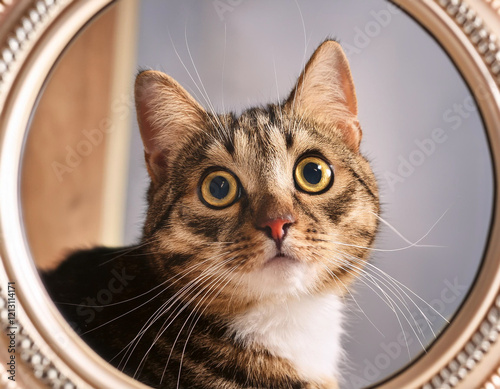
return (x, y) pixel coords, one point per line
(147, 92)
(156, 164)
(325, 93)
(167, 115)
(145, 95)
(348, 87)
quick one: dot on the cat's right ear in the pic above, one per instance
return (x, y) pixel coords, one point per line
(167, 117)
(325, 93)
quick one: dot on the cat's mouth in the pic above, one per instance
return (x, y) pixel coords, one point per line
(280, 258)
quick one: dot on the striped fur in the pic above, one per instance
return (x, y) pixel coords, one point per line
(203, 277)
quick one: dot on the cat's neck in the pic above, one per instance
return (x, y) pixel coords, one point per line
(306, 331)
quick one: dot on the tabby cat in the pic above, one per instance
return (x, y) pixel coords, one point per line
(256, 227)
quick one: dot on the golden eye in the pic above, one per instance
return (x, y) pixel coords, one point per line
(313, 175)
(219, 189)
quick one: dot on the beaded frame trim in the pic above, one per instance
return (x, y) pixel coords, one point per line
(35, 19)
(487, 45)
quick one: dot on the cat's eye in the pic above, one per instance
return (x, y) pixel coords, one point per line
(219, 189)
(313, 175)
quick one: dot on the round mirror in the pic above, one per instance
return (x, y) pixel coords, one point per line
(427, 120)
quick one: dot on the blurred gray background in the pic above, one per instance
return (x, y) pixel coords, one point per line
(422, 132)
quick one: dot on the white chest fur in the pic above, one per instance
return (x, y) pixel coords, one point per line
(306, 331)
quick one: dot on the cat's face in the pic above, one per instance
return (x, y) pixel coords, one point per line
(274, 203)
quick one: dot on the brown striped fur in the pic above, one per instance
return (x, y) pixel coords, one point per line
(220, 255)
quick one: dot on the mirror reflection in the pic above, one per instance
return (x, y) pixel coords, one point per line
(85, 180)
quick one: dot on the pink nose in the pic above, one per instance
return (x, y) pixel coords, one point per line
(277, 229)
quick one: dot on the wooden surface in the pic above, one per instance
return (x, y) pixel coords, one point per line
(63, 167)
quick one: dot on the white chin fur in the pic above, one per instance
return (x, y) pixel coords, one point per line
(304, 330)
(280, 279)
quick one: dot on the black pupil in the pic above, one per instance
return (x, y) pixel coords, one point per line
(219, 187)
(312, 173)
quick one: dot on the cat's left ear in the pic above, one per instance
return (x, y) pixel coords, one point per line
(325, 93)
(168, 117)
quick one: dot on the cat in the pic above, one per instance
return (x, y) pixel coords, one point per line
(256, 227)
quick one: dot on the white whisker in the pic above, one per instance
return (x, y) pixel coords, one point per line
(404, 238)
(165, 326)
(226, 276)
(337, 279)
(161, 310)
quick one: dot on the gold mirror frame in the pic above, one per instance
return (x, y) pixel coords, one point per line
(33, 34)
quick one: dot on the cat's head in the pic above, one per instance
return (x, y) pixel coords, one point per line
(273, 203)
